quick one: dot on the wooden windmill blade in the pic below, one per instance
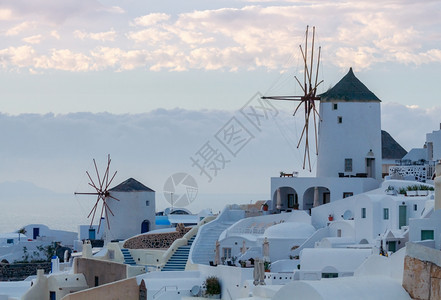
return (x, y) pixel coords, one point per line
(102, 193)
(309, 89)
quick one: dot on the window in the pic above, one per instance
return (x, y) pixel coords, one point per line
(363, 213)
(111, 254)
(338, 232)
(348, 164)
(96, 281)
(385, 213)
(9, 241)
(227, 252)
(147, 203)
(415, 207)
(347, 194)
(339, 119)
(334, 106)
(427, 235)
(329, 275)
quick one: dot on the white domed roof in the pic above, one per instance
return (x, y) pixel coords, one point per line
(289, 230)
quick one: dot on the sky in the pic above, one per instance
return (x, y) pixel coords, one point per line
(152, 82)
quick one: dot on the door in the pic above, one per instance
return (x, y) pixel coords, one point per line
(402, 216)
(145, 226)
(35, 233)
(290, 200)
(92, 235)
(392, 246)
(370, 167)
(326, 197)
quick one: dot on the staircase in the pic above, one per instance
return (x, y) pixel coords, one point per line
(204, 250)
(128, 259)
(178, 260)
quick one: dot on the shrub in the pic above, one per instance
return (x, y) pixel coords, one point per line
(212, 285)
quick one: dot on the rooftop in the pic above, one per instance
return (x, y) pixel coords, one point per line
(131, 185)
(349, 88)
(390, 148)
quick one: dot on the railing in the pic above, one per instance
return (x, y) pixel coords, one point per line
(165, 289)
(183, 241)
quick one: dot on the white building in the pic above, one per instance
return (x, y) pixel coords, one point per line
(134, 213)
(349, 139)
(350, 153)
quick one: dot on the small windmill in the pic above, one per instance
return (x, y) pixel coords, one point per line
(101, 190)
(309, 88)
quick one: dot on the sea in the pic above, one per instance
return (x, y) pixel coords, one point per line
(68, 211)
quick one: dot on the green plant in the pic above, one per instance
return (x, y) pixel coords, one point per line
(402, 191)
(48, 251)
(212, 285)
(390, 188)
(267, 266)
(25, 254)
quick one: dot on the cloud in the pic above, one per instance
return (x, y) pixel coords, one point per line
(19, 28)
(35, 39)
(360, 34)
(408, 124)
(53, 150)
(54, 11)
(151, 19)
(98, 36)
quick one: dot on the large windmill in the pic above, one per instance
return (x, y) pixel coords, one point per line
(309, 88)
(101, 186)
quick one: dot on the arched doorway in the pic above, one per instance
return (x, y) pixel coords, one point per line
(319, 194)
(285, 198)
(145, 226)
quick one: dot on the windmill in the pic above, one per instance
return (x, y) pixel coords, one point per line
(309, 88)
(101, 191)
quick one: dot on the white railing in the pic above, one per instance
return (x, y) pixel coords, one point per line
(164, 290)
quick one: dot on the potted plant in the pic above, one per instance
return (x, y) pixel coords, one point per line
(267, 266)
(390, 190)
(331, 217)
(212, 287)
(411, 191)
(265, 207)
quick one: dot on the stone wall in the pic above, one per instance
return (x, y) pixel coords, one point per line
(421, 279)
(99, 272)
(18, 272)
(126, 289)
(422, 273)
(156, 240)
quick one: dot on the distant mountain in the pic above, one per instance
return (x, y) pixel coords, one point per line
(24, 189)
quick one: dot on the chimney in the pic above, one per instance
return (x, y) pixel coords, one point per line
(437, 182)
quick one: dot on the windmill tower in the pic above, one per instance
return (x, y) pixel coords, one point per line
(349, 138)
(134, 213)
(128, 209)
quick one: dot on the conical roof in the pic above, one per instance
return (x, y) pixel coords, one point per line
(390, 148)
(131, 185)
(349, 88)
